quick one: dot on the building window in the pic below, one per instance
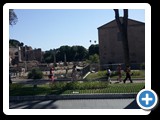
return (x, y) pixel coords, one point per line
(119, 36)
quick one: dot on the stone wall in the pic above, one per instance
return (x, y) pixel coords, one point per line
(110, 43)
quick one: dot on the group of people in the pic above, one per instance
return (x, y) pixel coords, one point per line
(73, 74)
(119, 72)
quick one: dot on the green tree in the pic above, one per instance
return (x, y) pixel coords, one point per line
(94, 49)
(48, 56)
(64, 51)
(74, 53)
(35, 74)
(12, 21)
(12, 17)
(94, 58)
(14, 43)
(82, 53)
(122, 26)
(79, 53)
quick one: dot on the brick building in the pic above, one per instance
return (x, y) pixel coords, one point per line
(110, 42)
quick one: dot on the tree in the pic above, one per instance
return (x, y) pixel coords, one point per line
(12, 17)
(93, 49)
(12, 21)
(82, 53)
(14, 43)
(21, 44)
(66, 54)
(48, 56)
(94, 58)
(35, 74)
(122, 26)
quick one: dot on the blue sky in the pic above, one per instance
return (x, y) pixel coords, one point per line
(51, 28)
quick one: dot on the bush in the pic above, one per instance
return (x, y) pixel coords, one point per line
(35, 74)
(136, 72)
(57, 85)
(78, 85)
(15, 86)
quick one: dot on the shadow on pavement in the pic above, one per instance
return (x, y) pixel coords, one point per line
(34, 105)
(133, 105)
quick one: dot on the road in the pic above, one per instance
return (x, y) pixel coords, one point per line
(76, 104)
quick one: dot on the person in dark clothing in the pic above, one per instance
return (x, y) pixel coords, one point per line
(51, 75)
(128, 74)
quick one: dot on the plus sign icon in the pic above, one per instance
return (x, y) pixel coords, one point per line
(147, 99)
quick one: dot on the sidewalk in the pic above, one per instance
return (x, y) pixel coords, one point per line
(45, 81)
(76, 104)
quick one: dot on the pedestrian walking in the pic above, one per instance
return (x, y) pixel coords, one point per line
(51, 74)
(128, 74)
(109, 75)
(74, 72)
(119, 72)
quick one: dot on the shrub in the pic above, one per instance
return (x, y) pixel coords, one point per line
(57, 85)
(78, 85)
(94, 58)
(15, 86)
(136, 72)
(35, 74)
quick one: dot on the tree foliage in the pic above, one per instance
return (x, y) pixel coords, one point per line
(35, 74)
(12, 17)
(74, 53)
(94, 49)
(94, 58)
(15, 43)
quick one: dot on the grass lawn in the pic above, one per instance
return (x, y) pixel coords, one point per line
(102, 75)
(61, 88)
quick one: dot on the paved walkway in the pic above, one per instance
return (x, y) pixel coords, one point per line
(45, 81)
(76, 104)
